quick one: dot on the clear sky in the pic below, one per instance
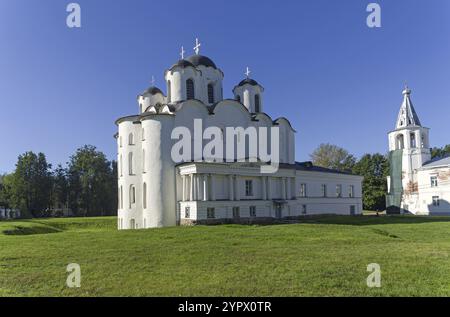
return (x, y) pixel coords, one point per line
(337, 80)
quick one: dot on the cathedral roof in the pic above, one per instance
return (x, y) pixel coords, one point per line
(198, 60)
(182, 63)
(407, 115)
(249, 81)
(153, 91)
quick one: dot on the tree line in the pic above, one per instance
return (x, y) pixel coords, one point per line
(87, 185)
(373, 167)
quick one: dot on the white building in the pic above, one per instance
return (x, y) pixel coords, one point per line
(155, 191)
(416, 184)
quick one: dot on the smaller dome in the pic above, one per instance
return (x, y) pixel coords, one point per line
(201, 60)
(152, 91)
(249, 81)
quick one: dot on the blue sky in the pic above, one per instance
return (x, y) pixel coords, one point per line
(336, 80)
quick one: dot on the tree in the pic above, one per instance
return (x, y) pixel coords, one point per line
(440, 152)
(334, 157)
(5, 191)
(31, 185)
(60, 194)
(91, 183)
(375, 169)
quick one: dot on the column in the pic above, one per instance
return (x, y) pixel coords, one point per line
(191, 188)
(263, 188)
(183, 186)
(283, 188)
(205, 187)
(213, 189)
(288, 188)
(237, 195)
(269, 191)
(230, 187)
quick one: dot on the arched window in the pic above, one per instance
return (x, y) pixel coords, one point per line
(132, 195)
(130, 139)
(144, 196)
(143, 161)
(257, 104)
(120, 141)
(121, 197)
(210, 93)
(400, 142)
(169, 91)
(130, 163)
(413, 140)
(190, 93)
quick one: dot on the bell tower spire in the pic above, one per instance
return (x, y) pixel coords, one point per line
(407, 116)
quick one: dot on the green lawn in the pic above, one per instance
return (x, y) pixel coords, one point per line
(324, 256)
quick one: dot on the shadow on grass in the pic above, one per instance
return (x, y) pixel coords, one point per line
(372, 220)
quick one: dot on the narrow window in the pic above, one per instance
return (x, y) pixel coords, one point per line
(144, 195)
(434, 181)
(238, 98)
(169, 91)
(252, 211)
(257, 104)
(338, 191)
(302, 190)
(236, 212)
(132, 223)
(145, 223)
(248, 188)
(143, 134)
(120, 141)
(324, 190)
(132, 195)
(351, 191)
(413, 140)
(190, 93)
(304, 209)
(187, 212)
(130, 139)
(352, 210)
(210, 93)
(210, 213)
(130, 163)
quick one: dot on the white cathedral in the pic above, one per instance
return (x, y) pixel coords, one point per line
(417, 184)
(155, 191)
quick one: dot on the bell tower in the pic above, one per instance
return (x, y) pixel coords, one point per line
(409, 149)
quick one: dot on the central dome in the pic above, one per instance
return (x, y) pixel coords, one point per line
(201, 60)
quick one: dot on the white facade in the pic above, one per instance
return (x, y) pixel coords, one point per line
(154, 191)
(425, 183)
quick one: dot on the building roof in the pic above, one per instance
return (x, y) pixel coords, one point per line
(438, 162)
(248, 81)
(198, 60)
(152, 91)
(182, 63)
(407, 115)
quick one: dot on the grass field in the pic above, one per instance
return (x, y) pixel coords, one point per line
(324, 256)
